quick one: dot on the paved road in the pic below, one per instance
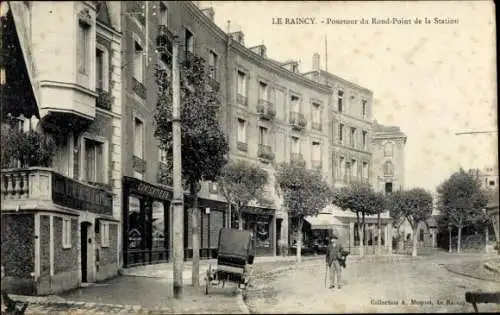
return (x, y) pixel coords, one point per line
(370, 287)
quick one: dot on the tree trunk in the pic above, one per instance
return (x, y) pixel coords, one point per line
(449, 240)
(379, 234)
(415, 239)
(240, 218)
(299, 240)
(400, 240)
(363, 226)
(195, 236)
(360, 235)
(486, 238)
(459, 239)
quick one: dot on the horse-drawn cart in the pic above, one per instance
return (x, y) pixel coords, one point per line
(235, 257)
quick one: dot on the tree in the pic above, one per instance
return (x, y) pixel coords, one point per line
(204, 146)
(304, 193)
(359, 198)
(378, 205)
(461, 200)
(241, 182)
(393, 201)
(415, 205)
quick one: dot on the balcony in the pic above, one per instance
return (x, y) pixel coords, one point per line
(316, 165)
(297, 120)
(266, 110)
(241, 99)
(213, 84)
(139, 88)
(265, 153)
(104, 100)
(242, 146)
(42, 188)
(138, 164)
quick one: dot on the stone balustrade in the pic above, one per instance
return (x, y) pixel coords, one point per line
(44, 184)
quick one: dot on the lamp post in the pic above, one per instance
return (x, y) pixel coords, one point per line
(178, 198)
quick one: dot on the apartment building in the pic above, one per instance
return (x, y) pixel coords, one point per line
(349, 129)
(60, 223)
(276, 116)
(149, 29)
(388, 146)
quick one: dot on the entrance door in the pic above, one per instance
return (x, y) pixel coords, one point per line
(84, 227)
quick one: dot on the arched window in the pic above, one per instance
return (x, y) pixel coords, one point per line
(388, 149)
(388, 168)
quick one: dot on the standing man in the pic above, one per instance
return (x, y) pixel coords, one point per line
(333, 255)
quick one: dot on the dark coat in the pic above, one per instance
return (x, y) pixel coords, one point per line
(333, 253)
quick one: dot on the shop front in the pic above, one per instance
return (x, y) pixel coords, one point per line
(146, 223)
(262, 223)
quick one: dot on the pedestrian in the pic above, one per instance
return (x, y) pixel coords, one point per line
(333, 255)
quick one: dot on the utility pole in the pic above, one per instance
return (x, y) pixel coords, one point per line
(178, 200)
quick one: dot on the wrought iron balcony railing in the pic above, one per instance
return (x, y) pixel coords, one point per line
(266, 110)
(139, 88)
(265, 152)
(241, 99)
(297, 120)
(104, 100)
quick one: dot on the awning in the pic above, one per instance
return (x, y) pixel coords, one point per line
(323, 221)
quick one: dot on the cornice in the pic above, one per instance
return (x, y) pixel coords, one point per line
(198, 13)
(337, 78)
(269, 65)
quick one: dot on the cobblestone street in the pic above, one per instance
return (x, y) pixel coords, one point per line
(369, 287)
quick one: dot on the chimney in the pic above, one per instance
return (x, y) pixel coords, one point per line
(239, 37)
(259, 50)
(209, 12)
(316, 62)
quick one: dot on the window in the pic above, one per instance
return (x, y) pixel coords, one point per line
(66, 233)
(163, 14)
(242, 131)
(492, 183)
(262, 135)
(388, 168)
(363, 107)
(212, 62)
(341, 133)
(83, 48)
(340, 167)
(347, 170)
(3, 77)
(138, 138)
(94, 161)
(340, 100)
(295, 103)
(316, 115)
(365, 170)
(353, 137)
(316, 151)
(242, 83)
(388, 149)
(388, 188)
(189, 41)
(162, 156)
(295, 145)
(138, 64)
(263, 95)
(354, 164)
(421, 235)
(365, 142)
(99, 75)
(104, 234)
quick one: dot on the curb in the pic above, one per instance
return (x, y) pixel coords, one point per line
(468, 275)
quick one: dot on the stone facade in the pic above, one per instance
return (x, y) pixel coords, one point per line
(79, 105)
(388, 146)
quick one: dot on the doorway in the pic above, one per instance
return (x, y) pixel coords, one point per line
(84, 240)
(388, 188)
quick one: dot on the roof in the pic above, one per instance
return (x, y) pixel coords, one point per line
(387, 131)
(323, 221)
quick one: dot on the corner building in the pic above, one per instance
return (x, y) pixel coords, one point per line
(60, 222)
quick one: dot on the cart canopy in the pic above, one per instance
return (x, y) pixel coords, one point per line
(235, 243)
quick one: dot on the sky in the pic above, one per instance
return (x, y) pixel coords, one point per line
(431, 80)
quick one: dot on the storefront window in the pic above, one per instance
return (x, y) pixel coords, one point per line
(158, 235)
(135, 224)
(262, 232)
